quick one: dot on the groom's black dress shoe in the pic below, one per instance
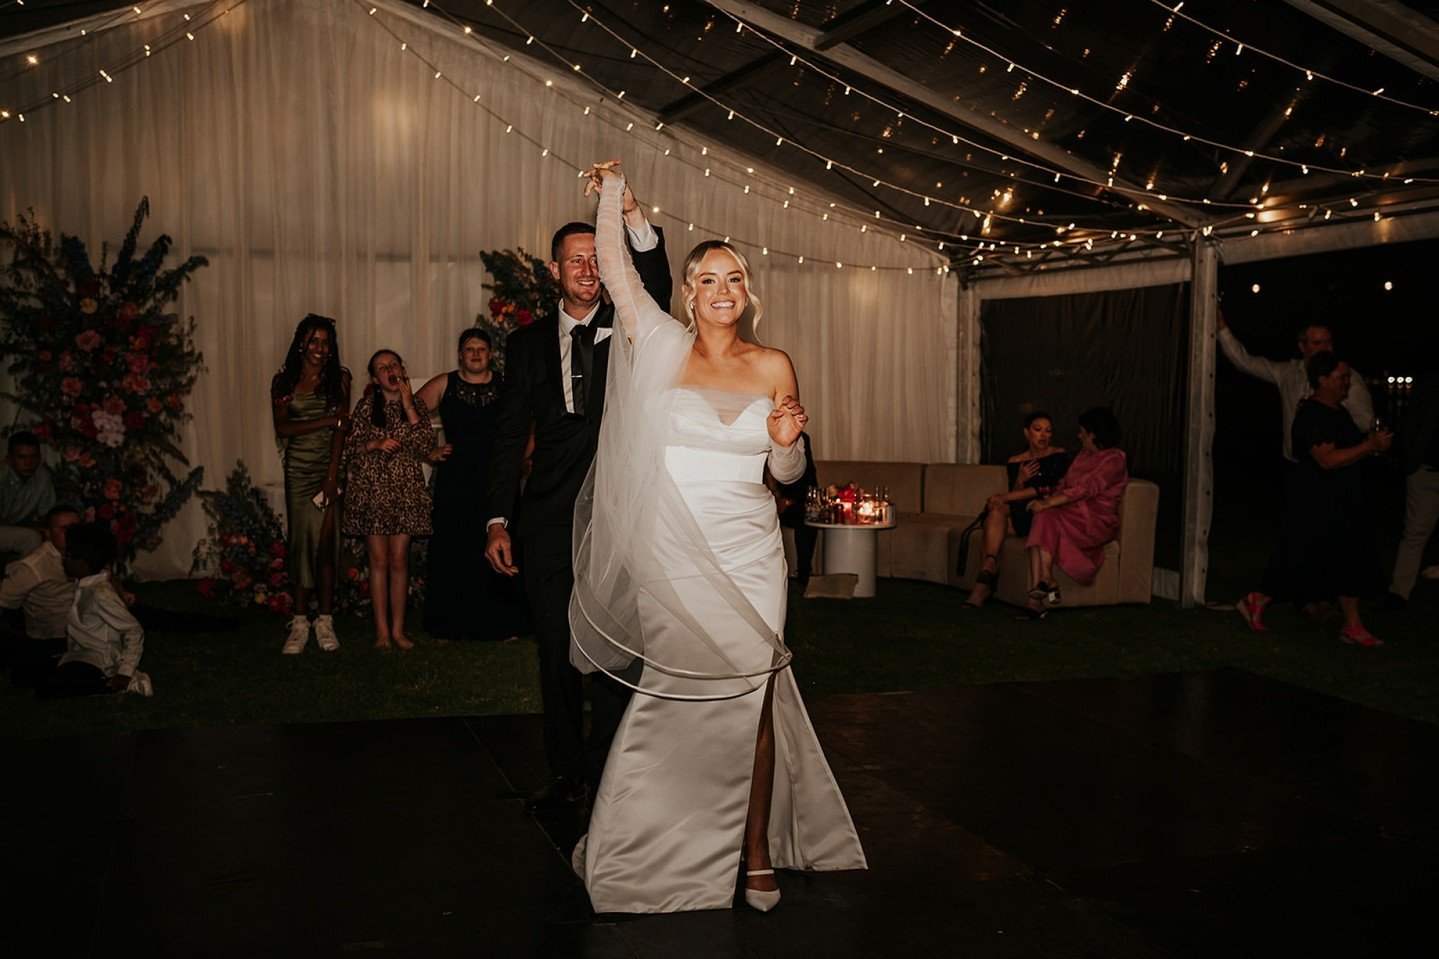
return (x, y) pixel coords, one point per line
(562, 793)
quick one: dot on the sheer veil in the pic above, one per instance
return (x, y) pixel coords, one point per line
(647, 583)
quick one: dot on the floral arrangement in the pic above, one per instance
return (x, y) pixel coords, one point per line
(246, 547)
(523, 289)
(102, 371)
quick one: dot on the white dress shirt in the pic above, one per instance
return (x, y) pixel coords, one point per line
(102, 630)
(38, 585)
(1293, 382)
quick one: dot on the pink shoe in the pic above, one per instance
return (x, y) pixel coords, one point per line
(1253, 611)
(1359, 636)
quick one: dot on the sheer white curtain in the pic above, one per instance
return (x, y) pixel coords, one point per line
(320, 168)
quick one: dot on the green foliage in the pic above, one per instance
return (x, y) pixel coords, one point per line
(524, 290)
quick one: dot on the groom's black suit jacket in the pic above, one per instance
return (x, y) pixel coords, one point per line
(565, 442)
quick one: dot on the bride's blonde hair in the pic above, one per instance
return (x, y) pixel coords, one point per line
(692, 268)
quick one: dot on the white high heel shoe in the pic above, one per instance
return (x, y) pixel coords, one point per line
(762, 899)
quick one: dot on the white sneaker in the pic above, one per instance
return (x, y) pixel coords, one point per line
(299, 635)
(325, 633)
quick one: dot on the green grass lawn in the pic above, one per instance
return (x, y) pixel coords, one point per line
(911, 636)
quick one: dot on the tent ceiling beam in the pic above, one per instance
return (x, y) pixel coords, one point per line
(752, 72)
(842, 54)
(854, 22)
(1403, 35)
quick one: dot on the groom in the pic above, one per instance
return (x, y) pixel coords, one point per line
(555, 378)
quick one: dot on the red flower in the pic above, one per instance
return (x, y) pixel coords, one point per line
(227, 567)
(277, 579)
(71, 386)
(72, 453)
(277, 563)
(173, 401)
(88, 340)
(46, 356)
(67, 362)
(114, 405)
(524, 317)
(497, 306)
(153, 405)
(278, 547)
(44, 431)
(107, 511)
(86, 460)
(133, 421)
(149, 492)
(126, 315)
(136, 383)
(206, 587)
(242, 580)
(112, 489)
(139, 363)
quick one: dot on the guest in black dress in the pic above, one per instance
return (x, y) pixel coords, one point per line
(464, 598)
(1324, 547)
(1035, 472)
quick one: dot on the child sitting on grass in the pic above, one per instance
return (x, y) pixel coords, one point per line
(104, 640)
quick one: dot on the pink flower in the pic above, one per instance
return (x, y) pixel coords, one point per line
(136, 383)
(88, 340)
(139, 363)
(112, 489)
(71, 386)
(72, 453)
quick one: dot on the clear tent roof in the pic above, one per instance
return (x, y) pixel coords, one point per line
(1019, 133)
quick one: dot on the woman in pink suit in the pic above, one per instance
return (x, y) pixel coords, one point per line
(1073, 524)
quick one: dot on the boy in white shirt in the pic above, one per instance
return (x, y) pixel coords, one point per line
(104, 639)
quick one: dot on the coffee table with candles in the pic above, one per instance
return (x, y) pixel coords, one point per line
(851, 548)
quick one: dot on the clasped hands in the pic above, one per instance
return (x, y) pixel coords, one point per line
(786, 422)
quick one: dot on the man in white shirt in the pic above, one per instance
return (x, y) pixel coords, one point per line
(38, 585)
(555, 371)
(1292, 379)
(105, 640)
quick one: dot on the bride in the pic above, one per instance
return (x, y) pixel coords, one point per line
(679, 569)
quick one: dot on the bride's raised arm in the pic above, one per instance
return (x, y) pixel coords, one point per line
(636, 309)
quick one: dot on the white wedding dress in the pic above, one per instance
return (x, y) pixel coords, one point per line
(680, 564)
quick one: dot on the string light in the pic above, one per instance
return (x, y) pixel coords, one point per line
(1309, 72)
(108, 73)
(510, 127)
(1102, 104)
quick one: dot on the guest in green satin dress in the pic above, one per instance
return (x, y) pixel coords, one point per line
(309, 399)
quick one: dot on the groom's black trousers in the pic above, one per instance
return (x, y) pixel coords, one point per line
(549, 579)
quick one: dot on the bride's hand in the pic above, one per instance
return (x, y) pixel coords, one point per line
(786, 422)
(603, 173)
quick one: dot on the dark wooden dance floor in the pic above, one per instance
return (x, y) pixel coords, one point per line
(1203, 814)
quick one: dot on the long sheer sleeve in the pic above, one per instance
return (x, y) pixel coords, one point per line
(637, 311)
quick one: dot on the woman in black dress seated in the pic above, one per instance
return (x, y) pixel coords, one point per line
(463, 597)
(1324, 548)
(1032, 473)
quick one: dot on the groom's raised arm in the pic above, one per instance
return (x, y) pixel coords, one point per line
(653, 266)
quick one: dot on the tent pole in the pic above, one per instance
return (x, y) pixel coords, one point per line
(967, 373)
(1199, 427)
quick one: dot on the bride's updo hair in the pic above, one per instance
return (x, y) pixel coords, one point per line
(692, 268)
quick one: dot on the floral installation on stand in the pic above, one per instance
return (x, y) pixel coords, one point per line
(523, 290)
(244, 558)
(102, 371)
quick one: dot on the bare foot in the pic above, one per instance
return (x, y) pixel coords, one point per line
(382, 642)
(403, 641)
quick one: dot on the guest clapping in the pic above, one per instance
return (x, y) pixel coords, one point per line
(1324, 546)
(389, 438)
(309, 397)
(1073, 523)
(1032, 474)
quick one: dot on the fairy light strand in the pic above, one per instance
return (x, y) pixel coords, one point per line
(544, 151)
(1129, 115)
(67, 46)
(780, 138)
(1309, 72)
(902, 228)
(186, 30)
(957, 138)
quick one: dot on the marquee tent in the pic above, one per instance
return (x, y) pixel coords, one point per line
(895, 169)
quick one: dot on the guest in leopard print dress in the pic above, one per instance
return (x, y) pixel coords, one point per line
(386, 501)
